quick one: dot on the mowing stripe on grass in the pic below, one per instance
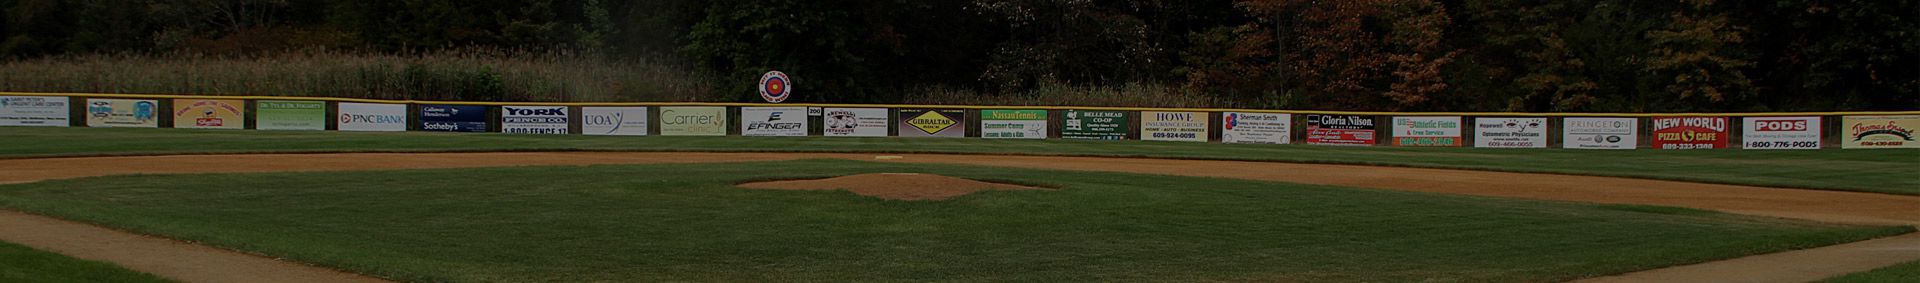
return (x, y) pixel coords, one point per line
(688, 222)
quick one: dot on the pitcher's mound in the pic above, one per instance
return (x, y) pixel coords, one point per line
(900, 186)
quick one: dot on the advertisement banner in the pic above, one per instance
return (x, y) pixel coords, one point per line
(1340, 130)
(290, 115)
(1780, 133)
(209, 114)
(945, 123)
(1094, 125)
(1260, 128)
(1173, 126)
(613, 121)
(1600, 133)
(856, 122)
(453, 118)
(773, 121)
(373, 117)
(123, 113)
(1689, 132)
(1879, 132)
(534, 120)
(34, 111)
(1426, 131)
(1510, 132)
(1013, 124)
(693, 121)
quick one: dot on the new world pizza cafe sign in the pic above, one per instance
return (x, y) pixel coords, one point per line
(1714, 127)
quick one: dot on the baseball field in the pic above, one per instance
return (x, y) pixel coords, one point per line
(435, 207)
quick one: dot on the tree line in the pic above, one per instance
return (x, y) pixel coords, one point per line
(1422, 55)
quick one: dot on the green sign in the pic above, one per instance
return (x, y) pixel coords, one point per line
(1094, 125)
(1013, 124)
(290, 115)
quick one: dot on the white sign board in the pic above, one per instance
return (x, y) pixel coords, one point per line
(123, 113)
(856, 122)
(773, 121)
(538, 120)
(1510, 132)
(35, 111)
(613, 121)
(1013, 124)
(1427, 131)
(1780, 133)
(1261, 128)
(1600, 133)
(1173, 126)
(373, 117)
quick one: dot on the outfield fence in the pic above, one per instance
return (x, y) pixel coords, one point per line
(1768, 130)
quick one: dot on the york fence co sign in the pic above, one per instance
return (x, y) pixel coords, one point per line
(775, 87)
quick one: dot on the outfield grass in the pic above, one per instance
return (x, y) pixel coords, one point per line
(1903, 273)
(1882, 171)
(688, 222)
(22, 264)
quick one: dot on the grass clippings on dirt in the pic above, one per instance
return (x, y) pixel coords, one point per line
(680, 222)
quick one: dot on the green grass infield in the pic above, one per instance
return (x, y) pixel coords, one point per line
(1880, 171)
(22, 264)
(688, 222)
(1903, 273)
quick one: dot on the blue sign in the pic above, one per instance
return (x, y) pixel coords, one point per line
(453, 118)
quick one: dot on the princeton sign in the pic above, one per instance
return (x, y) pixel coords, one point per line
(1600, 133)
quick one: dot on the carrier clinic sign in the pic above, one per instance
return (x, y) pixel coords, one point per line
(372, 117)
(693, 121)
(538, 120)
(34, 111)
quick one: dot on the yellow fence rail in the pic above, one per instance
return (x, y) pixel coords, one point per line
(1321, 112)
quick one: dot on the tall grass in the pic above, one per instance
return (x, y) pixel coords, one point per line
(484, 75)
(1126, 95)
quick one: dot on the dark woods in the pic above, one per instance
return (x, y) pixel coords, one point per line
(1490, 55)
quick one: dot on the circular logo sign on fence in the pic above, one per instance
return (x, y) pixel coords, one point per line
(775, 87)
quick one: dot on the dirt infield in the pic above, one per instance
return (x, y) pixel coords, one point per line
(1824, 206)
(895, 186)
